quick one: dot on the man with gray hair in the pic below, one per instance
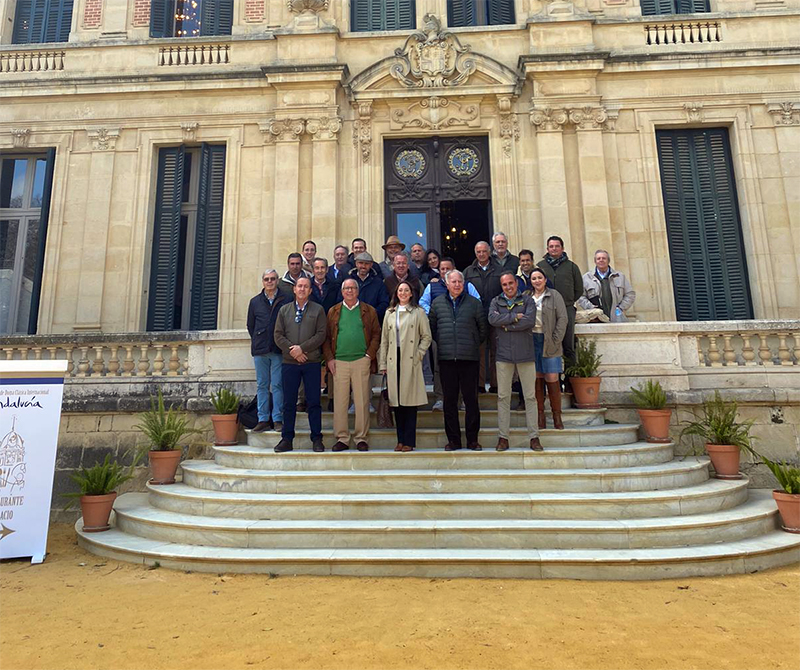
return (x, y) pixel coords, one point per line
(501, 255)
(261, 316)
(607, 289)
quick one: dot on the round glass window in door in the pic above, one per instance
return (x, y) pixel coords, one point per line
(463, 162)
(409, 164)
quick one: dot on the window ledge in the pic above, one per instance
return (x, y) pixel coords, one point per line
(697, 16)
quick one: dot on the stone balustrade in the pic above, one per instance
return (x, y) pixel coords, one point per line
(689, 32)
(748, 348)
(194, 54)
(31, 61)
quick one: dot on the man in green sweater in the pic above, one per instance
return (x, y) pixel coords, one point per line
(350, 349)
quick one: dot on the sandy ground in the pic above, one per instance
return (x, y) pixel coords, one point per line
(79, 611)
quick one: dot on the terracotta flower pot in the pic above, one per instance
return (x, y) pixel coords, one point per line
(96, 511)
(164, 465)
(656, 424)
(586, 391)
(226, 428)
(725, 459)
(789, 508)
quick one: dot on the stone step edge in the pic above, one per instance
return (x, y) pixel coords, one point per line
(760, 505)
(710, 488)
(674, 467)
(157, 550)
(567, 430)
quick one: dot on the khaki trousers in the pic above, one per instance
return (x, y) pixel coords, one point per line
(527, 375)
(353, 375)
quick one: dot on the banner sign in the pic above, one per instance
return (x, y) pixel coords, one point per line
(30, 413)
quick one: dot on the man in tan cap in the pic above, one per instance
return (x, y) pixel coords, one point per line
(393, 247)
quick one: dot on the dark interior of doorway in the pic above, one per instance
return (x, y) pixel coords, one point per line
(464, 223)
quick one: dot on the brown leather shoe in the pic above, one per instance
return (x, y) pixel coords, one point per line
(407, 448)
(536, 445)
(340, 446)
(502, 444)
(475, 446)
(362, 446)
(452, 447)
(399, 447)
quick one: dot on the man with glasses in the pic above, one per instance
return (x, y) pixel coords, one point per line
(262, 313)
(300, 333)
(351, 349)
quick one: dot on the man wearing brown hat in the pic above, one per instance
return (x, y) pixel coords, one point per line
(393, 247)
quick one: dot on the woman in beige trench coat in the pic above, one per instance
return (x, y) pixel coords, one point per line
(405, 338)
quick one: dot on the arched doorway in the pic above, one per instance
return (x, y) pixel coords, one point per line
(438, 193)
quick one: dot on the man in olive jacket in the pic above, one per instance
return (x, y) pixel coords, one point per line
(458, 324)
(300, 334)
(567, 279)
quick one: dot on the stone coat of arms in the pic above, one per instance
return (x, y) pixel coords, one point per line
(432, 57)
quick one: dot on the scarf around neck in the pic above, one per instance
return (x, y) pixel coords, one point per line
(555, 262)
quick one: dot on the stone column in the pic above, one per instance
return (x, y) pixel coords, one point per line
(324, 132)
(549, 124)
(362, 140)
(508, 214)
(287, 134)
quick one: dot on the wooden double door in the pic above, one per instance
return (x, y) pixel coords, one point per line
(438, 193)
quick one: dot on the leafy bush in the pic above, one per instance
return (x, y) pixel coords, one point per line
(164, 428)
(787, 475)
(225, 401)
(719, 425)
(587, 360)
(649, 395)
(100, 479)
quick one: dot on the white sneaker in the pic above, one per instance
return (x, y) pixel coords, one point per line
(371, 409)
(462, 407)
(352, 409)
(438, 406)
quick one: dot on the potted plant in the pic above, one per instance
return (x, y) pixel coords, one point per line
(164, 428)
(724, 436)
(97, 491)
(788, 497)
(226, 420)
(650, 400)
(584, 375)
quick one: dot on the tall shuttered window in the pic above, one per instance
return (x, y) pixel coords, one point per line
(25, 185)
(650, 7)
(480, 12)
(190, 18)
(38, 21)
(187, 238)
(709, 268)
(383, 15)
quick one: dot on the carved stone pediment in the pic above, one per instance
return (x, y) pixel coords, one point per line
(432, 57)
(435, 113)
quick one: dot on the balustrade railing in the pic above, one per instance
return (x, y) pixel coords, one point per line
(92, 357)
(694, 32)
(749, 348)
(194, 54)
(31, 61)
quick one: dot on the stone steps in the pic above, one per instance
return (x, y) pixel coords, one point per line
(755, 517)
(737, 557)
(703, 498)
(620, 456)
(585, 436)
(210, 476)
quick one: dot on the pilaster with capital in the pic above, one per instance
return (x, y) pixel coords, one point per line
(324, 132)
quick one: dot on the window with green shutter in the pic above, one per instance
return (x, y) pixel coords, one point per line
(37, 21)
(190, 18)
(187, 238)
(382, 15)
(704, 233)
(654, 7)
(480, 12)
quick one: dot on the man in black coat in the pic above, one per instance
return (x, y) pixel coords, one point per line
(324, 291)
(261, 315)
(459, 326)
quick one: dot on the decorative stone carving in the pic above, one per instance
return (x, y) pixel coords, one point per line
(612, 114)
(324, 128)
(784, 113)
(432, 58)
(189, 131)
(20, 136)
(435, 113)
(287, 130)
(547, 118)
(509, 125)
(362, 130)
(588, 117)
(103, 138)
(694, 111)
(307, 14)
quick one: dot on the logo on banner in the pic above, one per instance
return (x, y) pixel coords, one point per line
(12, 460)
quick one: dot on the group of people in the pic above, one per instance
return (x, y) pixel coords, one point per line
(504, 317)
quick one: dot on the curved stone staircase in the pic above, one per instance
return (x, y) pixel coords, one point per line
(596, 504)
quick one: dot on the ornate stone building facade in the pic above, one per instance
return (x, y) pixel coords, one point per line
(560, 121)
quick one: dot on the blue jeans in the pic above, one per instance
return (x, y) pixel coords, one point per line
(309, 373)
(270, 386)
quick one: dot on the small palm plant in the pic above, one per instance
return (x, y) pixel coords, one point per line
(587, 360)
(719, 424)
(649, 395)
(787, 475)
(100, 479)
(164, 427)
(225, 401)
